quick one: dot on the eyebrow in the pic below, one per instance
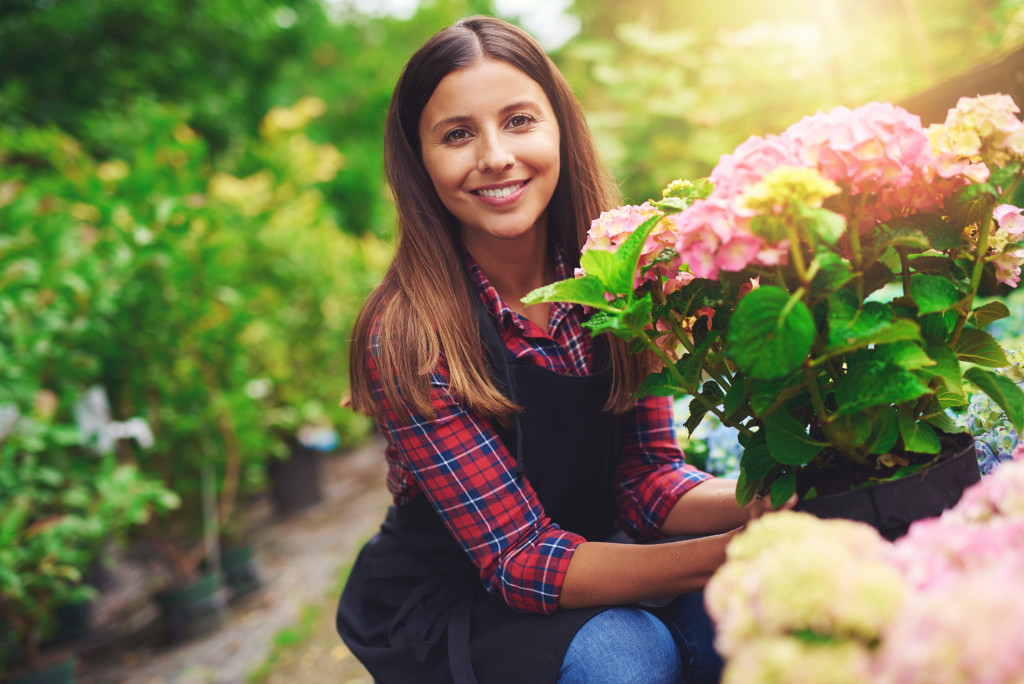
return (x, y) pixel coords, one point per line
(463, 118)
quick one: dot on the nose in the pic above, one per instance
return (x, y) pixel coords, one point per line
(495, 155)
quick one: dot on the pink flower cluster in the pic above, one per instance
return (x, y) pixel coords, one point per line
(1008, 229)
(941, 605)
(964, 619)
(609, 230)
(883, 162)
(979, 132)
(879, 153)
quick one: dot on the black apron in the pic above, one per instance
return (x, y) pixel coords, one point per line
(414, 609)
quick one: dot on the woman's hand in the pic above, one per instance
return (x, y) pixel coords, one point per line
(763, 504)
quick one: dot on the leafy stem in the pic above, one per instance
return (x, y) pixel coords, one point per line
(711, 406)
(905, 272)
(979, 264)
(853, 230)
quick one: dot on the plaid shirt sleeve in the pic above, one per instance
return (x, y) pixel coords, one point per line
(460, 464)
(652, 473)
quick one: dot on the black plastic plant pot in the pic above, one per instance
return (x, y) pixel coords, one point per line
(61, 673)
(891, 507)
(191, 610)
(74, 622)
(295, 481)
(239, 570)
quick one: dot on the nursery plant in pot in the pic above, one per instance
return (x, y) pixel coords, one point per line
(817, 293)
(309, 277)
(56, 511)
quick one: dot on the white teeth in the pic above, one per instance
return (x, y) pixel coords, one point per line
(500, 192)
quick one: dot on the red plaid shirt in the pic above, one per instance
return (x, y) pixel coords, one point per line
(465, 471)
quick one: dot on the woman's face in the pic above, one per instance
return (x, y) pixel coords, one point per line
(490, 143)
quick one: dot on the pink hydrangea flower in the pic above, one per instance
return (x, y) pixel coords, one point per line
(970, 631)
(749, 163)
(877, 148)
(1008, 229)
(612, 228)
(702, 232)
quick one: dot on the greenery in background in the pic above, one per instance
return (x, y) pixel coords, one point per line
(670, 87)
(192, 205)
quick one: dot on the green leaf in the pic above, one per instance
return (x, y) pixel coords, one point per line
(940, 233)
(712, 394)
(660, 384)
(981, 349)
(853, 328)
(672, 204)
(587, 290)
(783, 488)
(918, 436)
(613, 271)
(697, 410)
(904, 354)
(638, 314)
(628, 254)
(885, 431)
(770, 334)
(911, 238)
(735, 396)
(604, 322)
(943, 422)
(933, 293)
(691, 366)
(937, 325)
(851, 430)
(755, 465)
(788, 441)
(1003, 391)
(764, 393)
(827, 225)
(833, 272)
(873, 383)
(604, 266)
(950, 392)
(988, 313)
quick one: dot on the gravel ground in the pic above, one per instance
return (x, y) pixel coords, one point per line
(298, 558)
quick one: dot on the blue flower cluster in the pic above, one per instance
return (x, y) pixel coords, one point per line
(994, 437)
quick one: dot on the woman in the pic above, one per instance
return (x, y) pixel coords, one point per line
(515, 448)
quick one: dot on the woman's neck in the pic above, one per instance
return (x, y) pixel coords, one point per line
(516, 268)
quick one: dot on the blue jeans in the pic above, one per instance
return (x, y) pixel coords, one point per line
(627, 645)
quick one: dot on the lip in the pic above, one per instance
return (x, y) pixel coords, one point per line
(501, 201)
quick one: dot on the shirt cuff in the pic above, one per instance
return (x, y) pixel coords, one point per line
(531, 579)
(662, 490)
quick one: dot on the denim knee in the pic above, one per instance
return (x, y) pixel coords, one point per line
(622, 646)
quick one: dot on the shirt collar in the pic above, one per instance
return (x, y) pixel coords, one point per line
(498, 307)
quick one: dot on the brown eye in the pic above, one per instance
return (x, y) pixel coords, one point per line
(520, 120)
(456, 135)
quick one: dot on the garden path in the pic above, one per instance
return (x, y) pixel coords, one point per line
(299, 559)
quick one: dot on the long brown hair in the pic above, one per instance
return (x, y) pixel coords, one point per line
(424, 303)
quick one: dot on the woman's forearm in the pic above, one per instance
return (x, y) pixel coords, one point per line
(709, 508)
(606, 574)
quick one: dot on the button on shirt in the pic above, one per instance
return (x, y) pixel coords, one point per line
(457, 460)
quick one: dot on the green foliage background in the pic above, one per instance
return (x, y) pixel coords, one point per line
(192, 209)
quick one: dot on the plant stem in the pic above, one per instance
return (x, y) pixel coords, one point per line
(824, 419)
(905, 271)
(979, 265)
(682, 384)
(853, 230)
(659, 296)
(794, 250)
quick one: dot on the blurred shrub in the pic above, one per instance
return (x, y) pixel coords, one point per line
(215, 307)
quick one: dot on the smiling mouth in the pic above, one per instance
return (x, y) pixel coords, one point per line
(500, 193)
